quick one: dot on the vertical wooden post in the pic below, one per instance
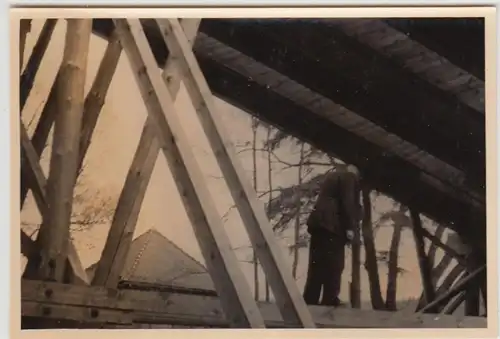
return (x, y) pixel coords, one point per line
(54, 233)
(120, 235)
(371, 264)
(289, 301)
(472, 292)
(355, 286)
(392, 274)
(425, 269)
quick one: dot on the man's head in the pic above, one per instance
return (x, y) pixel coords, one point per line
(353, 169)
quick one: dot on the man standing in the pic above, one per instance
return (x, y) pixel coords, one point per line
(331, 225)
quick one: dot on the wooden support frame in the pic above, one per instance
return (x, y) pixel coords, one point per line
(28, 75)
(101, 305)
(423, 259)
(452, 306)
(54, 232)
(120, 235)
(239, 306)
(92, 108)
(39, 183)
(464, 283)
(24, 29)
(472, 292)
(286, 293)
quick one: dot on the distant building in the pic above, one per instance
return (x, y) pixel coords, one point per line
(157, 262)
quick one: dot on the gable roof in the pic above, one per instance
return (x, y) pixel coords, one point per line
(154, 259)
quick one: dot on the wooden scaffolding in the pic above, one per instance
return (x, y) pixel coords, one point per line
(55, 285)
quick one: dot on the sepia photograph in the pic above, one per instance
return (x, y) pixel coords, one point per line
(254, 172)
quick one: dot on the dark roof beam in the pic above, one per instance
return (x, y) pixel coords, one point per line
(362, 86)
(389, 175)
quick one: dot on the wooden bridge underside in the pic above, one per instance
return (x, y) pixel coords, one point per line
(364, 91)
(403, 102)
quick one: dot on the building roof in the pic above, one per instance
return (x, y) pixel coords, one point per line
(155, 260)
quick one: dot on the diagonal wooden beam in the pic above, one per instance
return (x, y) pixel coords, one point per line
(124, 222)
(238, 304)
(92, 108)
(33, 64)
(439, 243)
(423, 259)
(37, 179)
(434, 247)
(54, 233)
(289, 300)
(24, 29)
(452, 306)
(459, 286)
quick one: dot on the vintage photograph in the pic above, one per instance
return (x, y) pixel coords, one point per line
(253, 173)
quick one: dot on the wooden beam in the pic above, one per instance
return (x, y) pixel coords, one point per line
(24, 29)
(120, 235)
(239, 307)
(423, 260)
(452, 307)
(461, 285)
(127, 306)
(96, 97)
(38, 182)
(28, 75)
(291, 47)
(54, 232)
(448, 282)
(285, 290)
(431, 255)
(371, 264)
(434, 247)
(355, 283)
(437, 273)
(92, 108)
(472, 292)
(447, 249)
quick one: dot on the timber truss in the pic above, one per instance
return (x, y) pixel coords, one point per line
(55, 284)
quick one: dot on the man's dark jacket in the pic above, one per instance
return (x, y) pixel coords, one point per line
(337, 208)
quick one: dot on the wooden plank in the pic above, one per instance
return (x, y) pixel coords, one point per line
(54, 232)
(240, 309)
(81, 314)
(28, 75)
(252, 211)
(423, 260)
(174, 308)
(122, 229)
